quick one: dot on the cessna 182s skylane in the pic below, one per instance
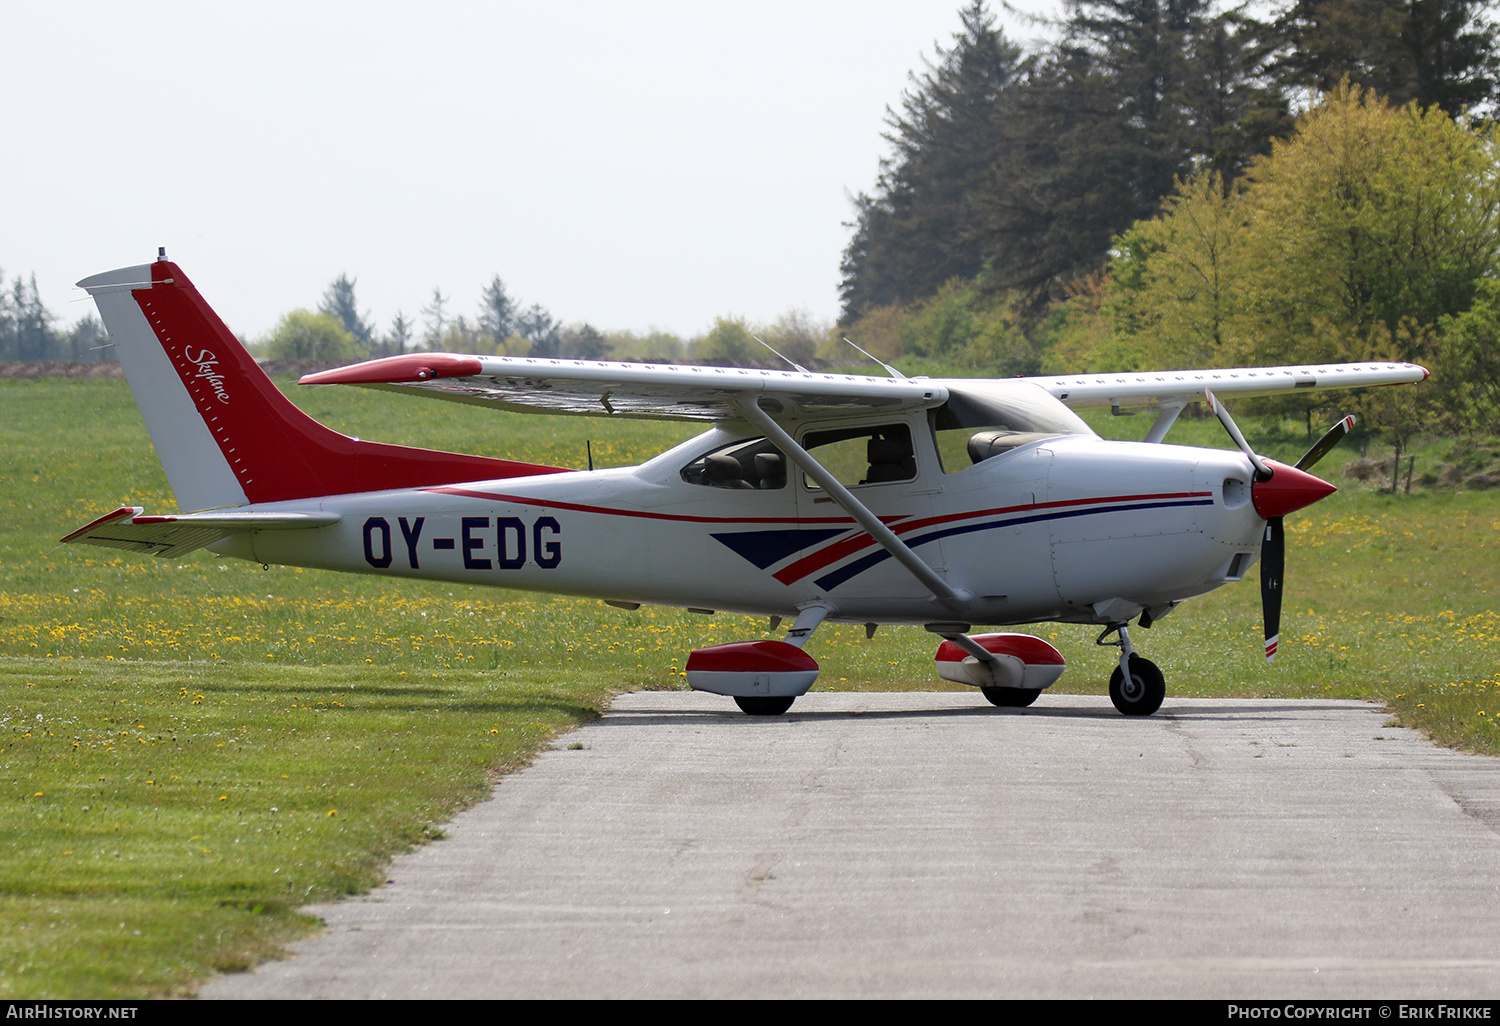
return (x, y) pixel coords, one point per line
(812, 497)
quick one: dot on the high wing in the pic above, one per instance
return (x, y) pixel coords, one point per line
(1166, 386)
(667, 392)
(659, 392)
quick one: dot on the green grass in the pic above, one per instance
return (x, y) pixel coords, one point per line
(192, 748)
(164, 820)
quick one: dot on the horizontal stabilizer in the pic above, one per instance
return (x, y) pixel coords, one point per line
(175, 534)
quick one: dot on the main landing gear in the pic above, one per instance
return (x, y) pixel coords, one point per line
(757, 705)
(763, 677)
(1011, 698)
(1137, 686)
(1010, 670)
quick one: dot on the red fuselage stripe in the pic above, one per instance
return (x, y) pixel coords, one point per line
(834, 551)
(578, 507)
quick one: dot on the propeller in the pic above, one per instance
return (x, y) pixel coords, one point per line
(1277, 491)
(1333, 436)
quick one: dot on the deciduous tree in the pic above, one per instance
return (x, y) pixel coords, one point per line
(1370, 217)
(305, 335)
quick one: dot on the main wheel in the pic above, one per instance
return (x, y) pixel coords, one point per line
(758, 705)
(1011, 697)
(1144, 694)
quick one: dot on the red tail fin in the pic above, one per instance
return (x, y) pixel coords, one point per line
(271, 450)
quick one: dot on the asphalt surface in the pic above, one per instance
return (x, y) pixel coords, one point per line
(928, 845)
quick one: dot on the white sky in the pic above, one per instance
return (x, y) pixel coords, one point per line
(634, 165)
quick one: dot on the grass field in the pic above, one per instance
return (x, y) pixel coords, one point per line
(195, 747)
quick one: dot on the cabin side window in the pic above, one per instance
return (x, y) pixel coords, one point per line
(863, 455)
(756, 465)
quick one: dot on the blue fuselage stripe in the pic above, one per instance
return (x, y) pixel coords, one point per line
(832, 580)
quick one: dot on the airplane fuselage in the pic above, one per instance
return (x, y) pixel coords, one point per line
(1068, 528)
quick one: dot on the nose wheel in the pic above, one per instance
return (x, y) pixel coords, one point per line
(1140, 693)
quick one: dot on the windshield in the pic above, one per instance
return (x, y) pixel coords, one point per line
(982, 419)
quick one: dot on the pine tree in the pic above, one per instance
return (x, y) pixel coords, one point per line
(435, 317)
(537, 327)
(8, 348)
(918, 229)
(1137, 94)
(339, 303)
(88, 342)
(1438, 52)
(398, 339)
(32, 323)
(497, 314)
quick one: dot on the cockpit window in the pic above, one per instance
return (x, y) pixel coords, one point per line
(863, 455)
(990, 420)
(752, 465)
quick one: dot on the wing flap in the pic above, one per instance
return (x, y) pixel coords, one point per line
(656, 391)
(176, 534)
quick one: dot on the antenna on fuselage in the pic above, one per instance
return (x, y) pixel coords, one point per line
(889, 369)
(794, 363)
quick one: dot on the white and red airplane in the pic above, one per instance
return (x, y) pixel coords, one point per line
(812, 497)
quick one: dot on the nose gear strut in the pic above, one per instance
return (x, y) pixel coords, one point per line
(1137, 686)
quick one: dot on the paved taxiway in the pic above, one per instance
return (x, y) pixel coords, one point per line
(929, 845)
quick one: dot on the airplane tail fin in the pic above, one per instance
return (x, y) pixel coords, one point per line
(225, 434)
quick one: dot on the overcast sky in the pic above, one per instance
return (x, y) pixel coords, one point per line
(633, 165)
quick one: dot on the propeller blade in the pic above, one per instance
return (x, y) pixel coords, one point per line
(1261, 470)
(1272, 566)
(1333, 436)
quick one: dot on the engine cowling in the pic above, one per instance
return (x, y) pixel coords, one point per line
(1021, 661)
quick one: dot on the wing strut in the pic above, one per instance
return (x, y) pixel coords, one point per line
(941, 589)
(1170, 408)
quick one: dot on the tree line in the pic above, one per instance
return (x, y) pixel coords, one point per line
(337, 331)
(1176, 185)
(1022, 167)
(28, 332)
